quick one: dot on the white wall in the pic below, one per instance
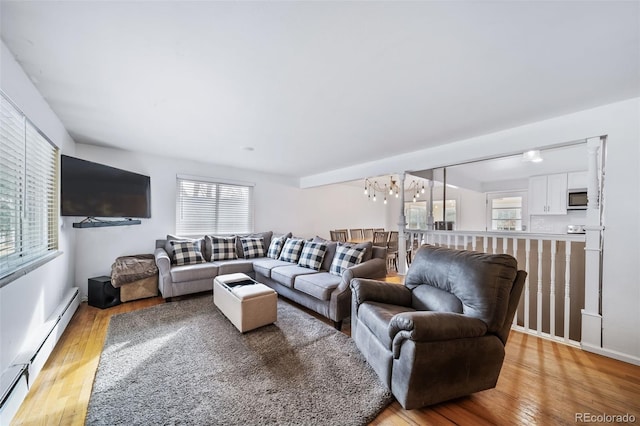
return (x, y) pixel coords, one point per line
(621, 258)
(26, 303)
(280, 205)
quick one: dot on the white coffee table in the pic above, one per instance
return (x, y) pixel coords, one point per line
(247, 306)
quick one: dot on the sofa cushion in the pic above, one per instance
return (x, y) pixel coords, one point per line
(286, 275)
(233, 266)
(367, 246)
(201, 241)
(328, 256)
(185, 252)
(319, 285)
(346, 257)
(376, 316)
(200, 271)
(253, 247)
(265, 265)
(312, 255)
(266, 236)
(222, 248)
(276, 247)
(291, 250)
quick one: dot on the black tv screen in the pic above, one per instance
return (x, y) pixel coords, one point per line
(95, 190)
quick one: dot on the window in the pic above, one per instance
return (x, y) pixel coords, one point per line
(204, 206)
(416, 215)
(28, 191)
(506, 211)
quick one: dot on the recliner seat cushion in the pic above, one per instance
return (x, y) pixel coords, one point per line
(319, 285)
(427, 298)
(376, 317)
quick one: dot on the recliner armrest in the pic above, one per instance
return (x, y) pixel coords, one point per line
(365, 290)
(429, 326)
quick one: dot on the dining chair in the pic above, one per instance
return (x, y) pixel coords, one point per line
(380, 238)
(356, 235)
(341, 235)
(367, 234)
(392, 250)
(412, 247)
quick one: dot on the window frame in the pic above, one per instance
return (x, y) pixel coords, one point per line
(524, 213)
(30, 244)
(219, 184)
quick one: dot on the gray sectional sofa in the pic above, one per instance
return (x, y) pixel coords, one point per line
(321, 291)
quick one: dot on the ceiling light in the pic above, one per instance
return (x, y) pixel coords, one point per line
(533, 156)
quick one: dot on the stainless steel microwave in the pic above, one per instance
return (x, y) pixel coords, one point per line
(577, 199)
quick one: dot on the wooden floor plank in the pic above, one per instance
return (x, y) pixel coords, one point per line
(541, 382)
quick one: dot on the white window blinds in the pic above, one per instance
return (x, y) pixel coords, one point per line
(28, 191)
(204, 207)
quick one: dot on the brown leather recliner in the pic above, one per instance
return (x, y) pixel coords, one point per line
(442, 334)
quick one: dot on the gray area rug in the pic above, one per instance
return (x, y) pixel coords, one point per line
(185, 363)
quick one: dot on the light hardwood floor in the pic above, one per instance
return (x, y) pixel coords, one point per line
(541, 382)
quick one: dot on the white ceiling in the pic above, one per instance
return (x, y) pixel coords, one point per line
(317, 86)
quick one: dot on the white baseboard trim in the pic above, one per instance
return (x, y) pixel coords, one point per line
(611, 354)
(19, 380)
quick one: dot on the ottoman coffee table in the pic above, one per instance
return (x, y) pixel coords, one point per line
(244, 301)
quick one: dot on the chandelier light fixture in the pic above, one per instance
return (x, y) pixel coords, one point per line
(373, 187)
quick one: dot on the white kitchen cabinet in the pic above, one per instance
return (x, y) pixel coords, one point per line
(548, 194)
(577, 180)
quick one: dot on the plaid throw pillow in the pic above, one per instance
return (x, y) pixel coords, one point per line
(345, 258)
(252, 247)
(185, 252)
(312, 255)
(276, 247)
(291, 250)
(223, 248)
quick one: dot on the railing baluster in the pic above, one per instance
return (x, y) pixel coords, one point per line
(539, 292)
(515, 254)
(527, 249)
(567, 289)
(546, 284)
(552, 291)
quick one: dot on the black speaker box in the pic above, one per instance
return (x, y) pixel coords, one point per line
(102, 294)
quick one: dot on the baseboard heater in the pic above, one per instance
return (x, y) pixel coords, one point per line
(16, 380)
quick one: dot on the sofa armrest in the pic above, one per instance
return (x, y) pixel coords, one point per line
(365, 290)
(372, 268)
(429, 326)
(163, 261)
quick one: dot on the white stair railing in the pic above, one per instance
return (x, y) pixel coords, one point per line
(548, 260)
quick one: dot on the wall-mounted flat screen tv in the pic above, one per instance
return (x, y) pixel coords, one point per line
(95, 190)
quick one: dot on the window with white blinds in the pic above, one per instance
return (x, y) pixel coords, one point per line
(28, 191)
(205, 207)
